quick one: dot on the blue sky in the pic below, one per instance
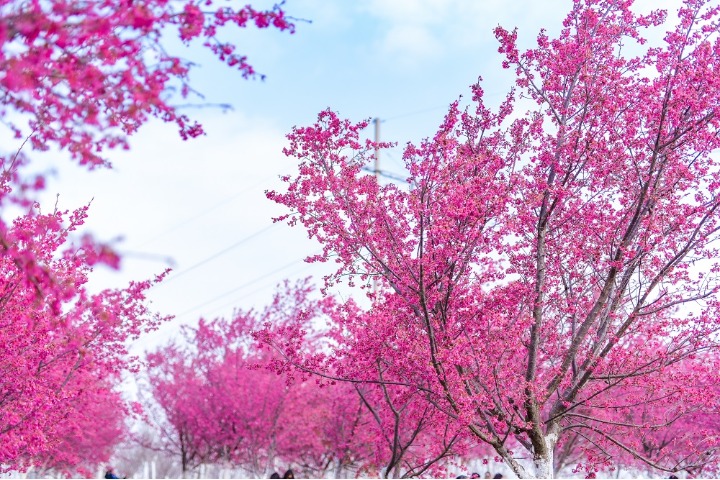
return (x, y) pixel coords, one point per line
(199, 205)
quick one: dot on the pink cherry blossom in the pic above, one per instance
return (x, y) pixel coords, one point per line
(548, 273)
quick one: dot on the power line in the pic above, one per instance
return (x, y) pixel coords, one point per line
(153, 257)
(487, 95)
(205, 212)
(238, 288)
(383, 173)
(417, 112)
(216, 255)
(265, 286)
(394, 160)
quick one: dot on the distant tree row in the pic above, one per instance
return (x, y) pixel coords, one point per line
(222, 402)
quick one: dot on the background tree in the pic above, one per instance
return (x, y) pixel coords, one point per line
(223, 404)
(411, 437)
(539, 262)
(686, 438)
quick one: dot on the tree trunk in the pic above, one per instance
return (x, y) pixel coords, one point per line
(338, 469)
(543, 466)
(543, 461)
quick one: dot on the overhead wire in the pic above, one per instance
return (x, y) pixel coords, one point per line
(493, 94)
(265, 286)
(216, 255)
(393, 159)
(229, 292)
(205, 211)
(386, 174)
(417, 112)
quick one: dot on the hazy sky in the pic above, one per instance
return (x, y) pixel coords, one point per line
(200, 206)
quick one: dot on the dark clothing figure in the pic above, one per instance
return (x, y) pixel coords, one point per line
(289, 474)
(110, 474)
(498, 475)
(275, 475)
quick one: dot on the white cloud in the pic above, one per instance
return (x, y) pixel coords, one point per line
(419, 30)
(411, 42)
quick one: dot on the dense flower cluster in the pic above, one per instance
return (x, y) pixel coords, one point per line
(63, 349)
(83, 75)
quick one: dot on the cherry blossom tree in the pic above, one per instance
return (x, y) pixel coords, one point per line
(172, 383)
(686, 438)
(344, 439)
(545, 269)
(221, 402)
(80, 77)
(88, 433)
(63, 348)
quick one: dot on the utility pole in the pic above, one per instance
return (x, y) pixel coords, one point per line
(376, 121)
